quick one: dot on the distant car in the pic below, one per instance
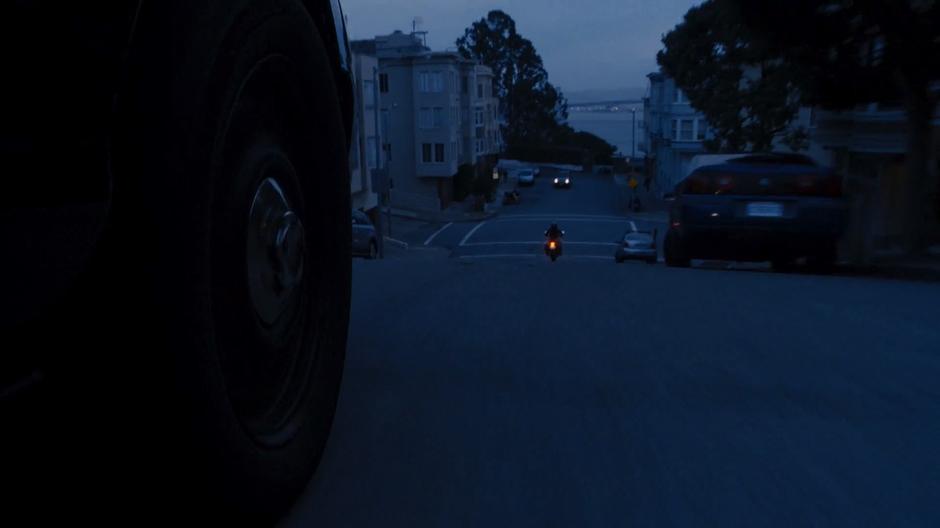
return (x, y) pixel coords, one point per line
(637, 245)
(562, 181)
(364, 238)
(526, 177)
(757, 208)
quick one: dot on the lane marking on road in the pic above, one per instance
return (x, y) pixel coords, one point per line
(397, 242)
(565, 215)
(560, 219)
(536, 242)
(470, 234)
(434, 235)
(499, 255)
(589, 257)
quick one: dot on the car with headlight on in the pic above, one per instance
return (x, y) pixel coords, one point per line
(637, 245)
(562, 181)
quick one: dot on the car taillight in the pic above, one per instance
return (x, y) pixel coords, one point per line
(723, 183)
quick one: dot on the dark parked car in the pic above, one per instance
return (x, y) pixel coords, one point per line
(174, 300)
(757, 208)
(364, 238)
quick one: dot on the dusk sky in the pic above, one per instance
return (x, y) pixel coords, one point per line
(586, 45)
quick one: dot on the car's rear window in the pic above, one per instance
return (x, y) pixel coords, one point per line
(763, 183)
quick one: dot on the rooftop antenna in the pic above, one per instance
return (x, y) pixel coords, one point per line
(416, 22)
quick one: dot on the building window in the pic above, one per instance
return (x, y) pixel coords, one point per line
(383, 118)
(480, 146)
(439, 152)
(478, 116)
(685, 130)
(383, 82)
(453, 82)
(480, 90)
(453, 115)
(438, 117)
(437, 82)
(453, 150)
(424, 82)
(464, 84)
(674, 132)
(426, 152)
(425, 119)
(388, 152)
(370, 152)
(368, 93)
(700, 128)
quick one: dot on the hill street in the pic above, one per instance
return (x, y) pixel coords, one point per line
(487, 386)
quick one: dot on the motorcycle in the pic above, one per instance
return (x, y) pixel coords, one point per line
(553, 248)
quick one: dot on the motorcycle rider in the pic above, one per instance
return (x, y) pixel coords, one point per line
(554, 232)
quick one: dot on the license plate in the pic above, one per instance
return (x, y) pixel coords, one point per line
(765, 209)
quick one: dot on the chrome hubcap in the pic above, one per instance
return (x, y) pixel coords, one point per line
(275, 251)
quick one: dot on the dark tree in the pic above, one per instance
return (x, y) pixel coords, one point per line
(531, 106)
(848, 52)
(748, 97)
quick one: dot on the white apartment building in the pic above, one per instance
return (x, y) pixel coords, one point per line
(366, 156)
(437, 112)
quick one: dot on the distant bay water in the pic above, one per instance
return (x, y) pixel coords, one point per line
(613, 127)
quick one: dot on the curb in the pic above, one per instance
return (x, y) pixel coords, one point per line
(394, 242)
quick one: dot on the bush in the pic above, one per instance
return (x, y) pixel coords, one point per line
(463, 182)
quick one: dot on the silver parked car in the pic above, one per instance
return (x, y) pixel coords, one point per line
(637, 245)
(364, 238)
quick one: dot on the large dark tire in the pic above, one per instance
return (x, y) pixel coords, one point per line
(674, 252)
(222, 387)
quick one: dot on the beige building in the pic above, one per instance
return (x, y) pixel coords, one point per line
(869, 145)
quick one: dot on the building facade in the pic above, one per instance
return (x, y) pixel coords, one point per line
(437, 112)
(672, 132)
(869, 145)
(366, 156)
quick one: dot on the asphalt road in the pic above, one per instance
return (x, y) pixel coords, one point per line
(486, 386)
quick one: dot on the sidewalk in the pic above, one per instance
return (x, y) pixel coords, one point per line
(459, 211)
(650, 203)
(918, 267)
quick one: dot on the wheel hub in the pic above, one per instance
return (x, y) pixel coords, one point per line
(275, 252)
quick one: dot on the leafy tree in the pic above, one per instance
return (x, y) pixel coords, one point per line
(748, 97)
(849, 52)
(531, 106)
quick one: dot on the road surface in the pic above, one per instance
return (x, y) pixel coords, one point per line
(486, 386)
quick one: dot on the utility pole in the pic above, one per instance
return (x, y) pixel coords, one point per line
(380, 164)
(633, 137)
